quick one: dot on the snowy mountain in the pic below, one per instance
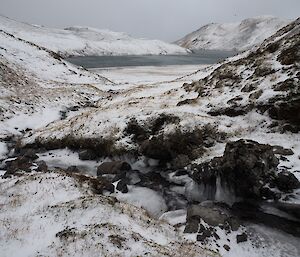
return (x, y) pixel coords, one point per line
(238, 36)
(206, 164)
(82, 41)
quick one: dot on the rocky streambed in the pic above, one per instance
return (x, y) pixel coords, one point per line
(230, 193)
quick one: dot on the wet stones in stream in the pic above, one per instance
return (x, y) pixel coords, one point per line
(114, 170)
(24, 161)
(213, 214)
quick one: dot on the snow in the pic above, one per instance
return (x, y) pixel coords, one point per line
(21, 122)
(35, 208)
(64, 158)
(237, 36)
(83, 41)
(146, 198)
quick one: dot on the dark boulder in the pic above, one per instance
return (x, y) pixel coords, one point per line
(286, 181)
(213, 216)
(113, 168)
(245, 168)
(211, 213)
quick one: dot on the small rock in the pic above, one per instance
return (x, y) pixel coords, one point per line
(226, 247)
(241, 238)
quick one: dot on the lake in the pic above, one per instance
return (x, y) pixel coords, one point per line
(200, 57)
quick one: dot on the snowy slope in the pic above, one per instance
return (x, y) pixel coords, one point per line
(36, 84)
(81, 41)
(233, 36)
(231, 98)
(54, 214)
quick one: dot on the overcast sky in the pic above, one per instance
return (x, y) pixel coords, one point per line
(168, 20)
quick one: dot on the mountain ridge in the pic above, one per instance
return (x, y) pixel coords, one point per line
(238, 36)
(83, 41)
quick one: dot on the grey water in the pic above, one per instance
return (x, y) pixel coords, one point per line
(200, 57)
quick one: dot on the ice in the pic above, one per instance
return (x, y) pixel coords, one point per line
(146, 198)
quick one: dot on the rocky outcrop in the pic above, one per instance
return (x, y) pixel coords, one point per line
(247, 168)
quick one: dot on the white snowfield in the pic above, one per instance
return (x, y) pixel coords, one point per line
(83, 41)
(237, 36)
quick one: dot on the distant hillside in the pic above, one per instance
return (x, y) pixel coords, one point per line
(238, 36)
(81, 41)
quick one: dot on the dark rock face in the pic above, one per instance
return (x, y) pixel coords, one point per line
(113, 168)
(286, 181)
(245, 167)
(287, 110)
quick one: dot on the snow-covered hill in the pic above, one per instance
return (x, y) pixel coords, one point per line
(54, 115)
(82, 41)
(238, 36)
